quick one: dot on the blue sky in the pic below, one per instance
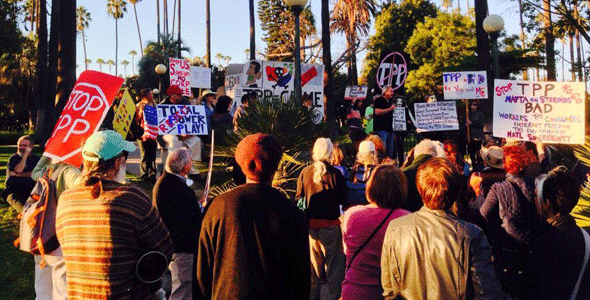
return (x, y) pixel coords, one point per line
(229, 29)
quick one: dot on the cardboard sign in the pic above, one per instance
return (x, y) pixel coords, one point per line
(355, 92)
(180, 75)
(200, 77)
(553, 112)
(182, 119)
(392, 71)
(465, 85)
(399, 119)
(124, 114)
(87, 107)
(436, 116)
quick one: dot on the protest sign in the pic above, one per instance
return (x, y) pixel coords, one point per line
(87, 106)
(124, 114)
(553, 112)
(399, 119)
(252, 74)
(436, 116)
(465, 85)
(392, 71)
(182, 119)
(355, 92)
(180, 75)
(200, 77)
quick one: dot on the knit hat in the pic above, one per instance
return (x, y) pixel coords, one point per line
(259, 155)
(366, 146)
(173, 90)
(492, 156)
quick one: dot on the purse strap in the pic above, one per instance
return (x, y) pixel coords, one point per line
(358, 250)
(586, 256)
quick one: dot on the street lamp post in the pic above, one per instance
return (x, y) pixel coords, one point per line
(493, 24)
(160, 70)
(297, 7)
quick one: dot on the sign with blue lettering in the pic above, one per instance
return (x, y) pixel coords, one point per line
(552, 112)
(465, 85)
(182, 119)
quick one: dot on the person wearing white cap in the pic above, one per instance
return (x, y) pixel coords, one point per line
(366, 161)
(104, 227)
(493, 172)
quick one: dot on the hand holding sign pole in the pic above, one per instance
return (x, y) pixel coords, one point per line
(87, 107)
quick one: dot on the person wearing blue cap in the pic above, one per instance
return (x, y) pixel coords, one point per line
(104, 227)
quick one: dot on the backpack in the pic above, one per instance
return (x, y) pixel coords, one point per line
(37, 233)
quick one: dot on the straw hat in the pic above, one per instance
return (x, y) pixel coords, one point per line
(492, 156)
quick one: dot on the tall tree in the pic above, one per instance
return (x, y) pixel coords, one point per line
(116, 9)
(82, 22)
(219, 57)
(549, 40)
(44, 107)
(208, 32)
(125, 63)
(134, 2)
(133, 53)
(252, 31)
(100, 62)
(111, 63)
(66, 64)
(353, 19)
(327, 60)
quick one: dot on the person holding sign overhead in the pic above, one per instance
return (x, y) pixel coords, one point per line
(191, 142)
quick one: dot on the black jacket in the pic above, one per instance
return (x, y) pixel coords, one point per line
(179, 208)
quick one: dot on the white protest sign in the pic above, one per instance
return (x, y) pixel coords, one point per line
(355, 92)
(553, 112)
(399, 119)
(465, 85)
(182, 119)
(200, 77)
(180, 75)
(436, 116)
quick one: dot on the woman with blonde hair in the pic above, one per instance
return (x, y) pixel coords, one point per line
(324, 189)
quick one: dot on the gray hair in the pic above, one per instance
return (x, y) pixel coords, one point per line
(177, 160)
(384, 89)
(426, 146)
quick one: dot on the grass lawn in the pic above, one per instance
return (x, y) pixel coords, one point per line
(17, 267)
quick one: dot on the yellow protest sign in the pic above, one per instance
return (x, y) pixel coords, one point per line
(124, 114)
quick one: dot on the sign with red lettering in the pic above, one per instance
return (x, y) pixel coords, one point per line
(180, 75)
(182, 119)
(87, 107)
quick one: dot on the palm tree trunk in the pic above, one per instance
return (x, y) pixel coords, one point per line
(66, 68)
(572, 58)
(138, 31)
(549, 40)
(53, 54)
(42, 127)
(208, 32)
(166, 18)
(173, 17)
(252, 32)
(116, 45)
(525, 76)
(133, 64)
(578, 46)
(158, 19)
(179, 39)
(84, 45)
(327, 59)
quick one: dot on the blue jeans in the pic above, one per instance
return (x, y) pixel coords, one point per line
(389, 141)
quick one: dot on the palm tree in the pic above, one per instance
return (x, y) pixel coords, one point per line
(252, 33)
(248, 57)
(353, 18)
(100, 62)
(227, 59)
(327, 59)
(219, 58)
(111, 63)
(208, 32)
(116, 9)
(125, 64)
(82, 22)
(87, 62)
(137, 23)
(133, 53)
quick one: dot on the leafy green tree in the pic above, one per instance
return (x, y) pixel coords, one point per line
(394, 26)
(353, 19)
(278, 24)
(436, 44)
(116, 9)
(82, 22)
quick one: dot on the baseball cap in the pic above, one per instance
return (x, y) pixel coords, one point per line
(366, 146)
(208, 92)
(105, 145)
(173, 90)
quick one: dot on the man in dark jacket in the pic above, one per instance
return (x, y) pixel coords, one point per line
(180, 211)
(18, 180)
(432, 254)
(253, 242)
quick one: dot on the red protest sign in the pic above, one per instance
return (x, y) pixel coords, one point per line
(87, 106)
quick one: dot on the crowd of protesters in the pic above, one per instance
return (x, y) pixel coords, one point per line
(434, 226)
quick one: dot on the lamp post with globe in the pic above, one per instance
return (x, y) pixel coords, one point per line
(493, 25)
(160, 70)
(297, 6)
